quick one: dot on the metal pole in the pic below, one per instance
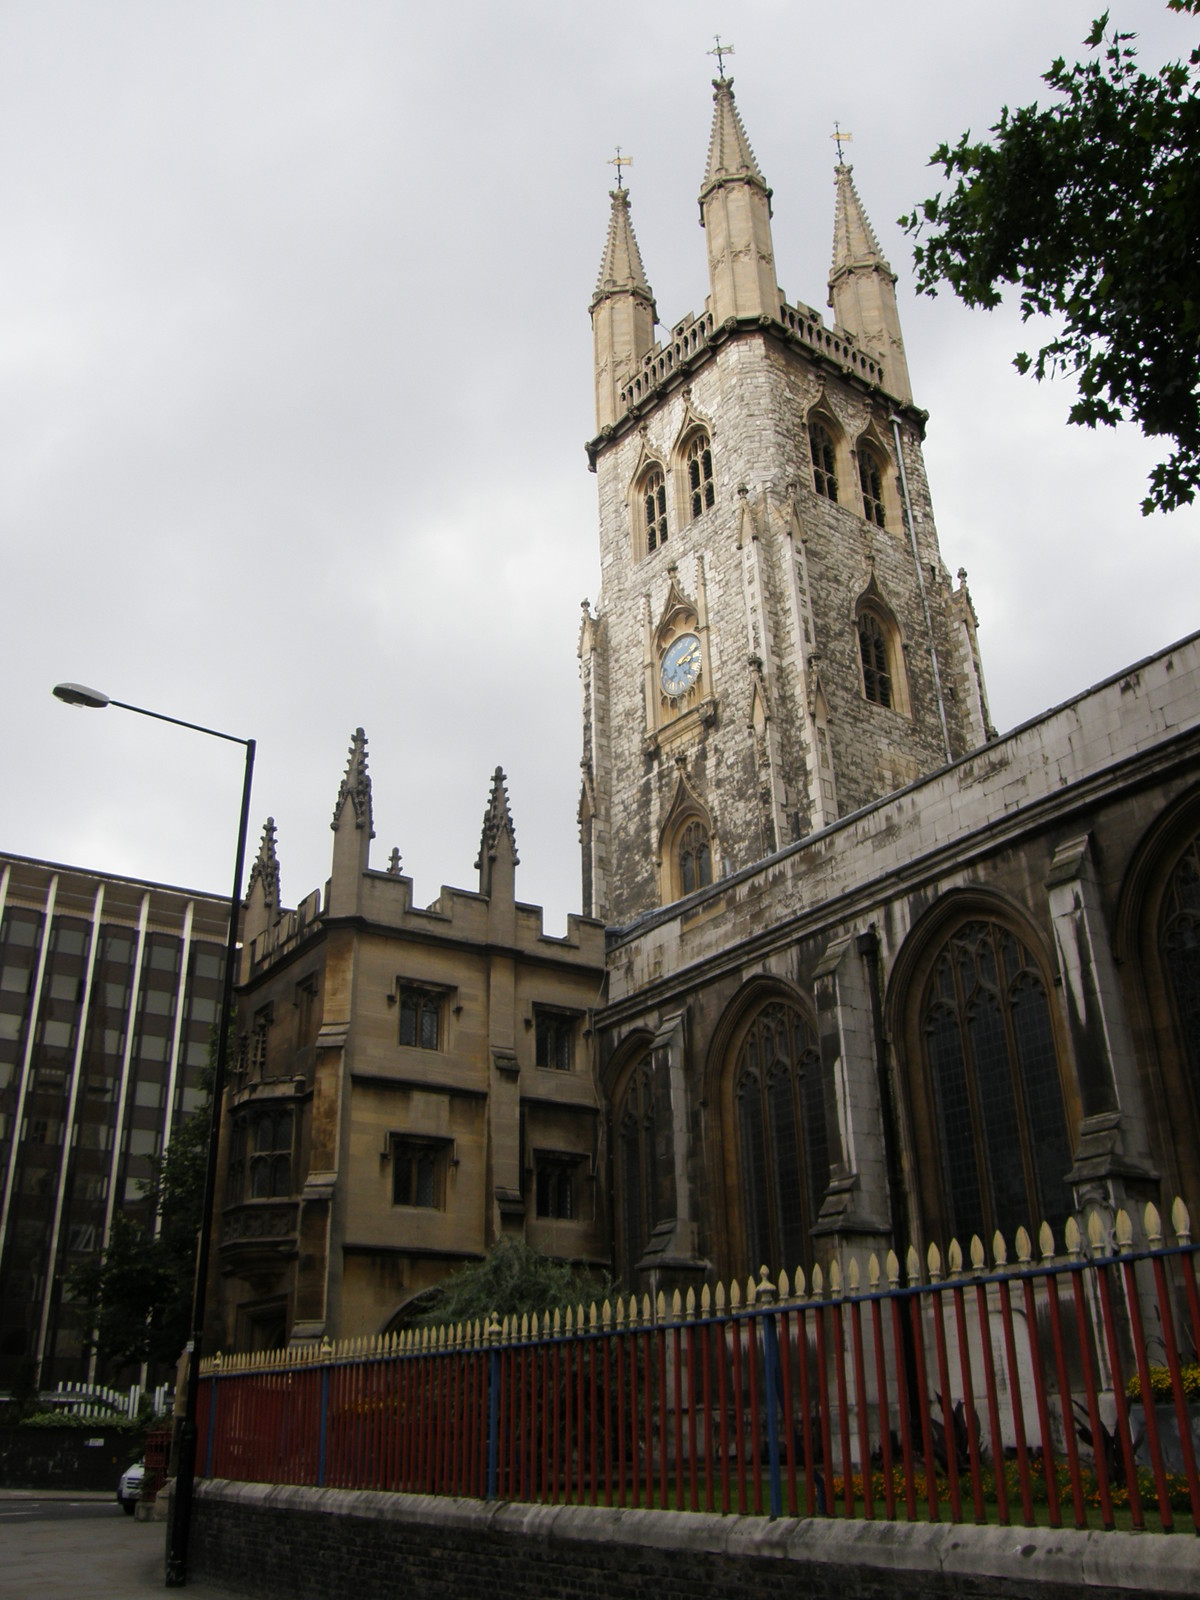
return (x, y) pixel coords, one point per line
(181, 1518)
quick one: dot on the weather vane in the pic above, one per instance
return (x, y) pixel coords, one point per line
(620, 161)
(841, 138)
(721, 52)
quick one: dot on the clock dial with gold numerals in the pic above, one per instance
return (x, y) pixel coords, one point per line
(681, 665)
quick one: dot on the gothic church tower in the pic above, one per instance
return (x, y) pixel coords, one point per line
(778, 641)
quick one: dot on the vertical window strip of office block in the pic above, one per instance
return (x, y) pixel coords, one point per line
(27, 1270)
(154, 1031)
(20, 943)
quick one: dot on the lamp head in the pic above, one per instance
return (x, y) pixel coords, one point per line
(77, 694)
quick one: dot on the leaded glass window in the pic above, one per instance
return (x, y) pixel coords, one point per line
(695, 858)
(420, 1018)
(654, 509)
(1000, 1116)
(701, 492)
(556, 1187)
(271, 1161)
(419, 1172)
(1179, 941)
(782, 1143)
(824, 463)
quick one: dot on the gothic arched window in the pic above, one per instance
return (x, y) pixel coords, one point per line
(870, 477)
(824, 460)
(636, 1180)
(698, 460)
(652, 493)
(876, 659)
(783, 1151)
(999, 1119)
(1179, 942)
(694, 857)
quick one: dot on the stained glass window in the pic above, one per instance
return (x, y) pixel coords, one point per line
(782, 1144)
(1179, 941)
(635, 1152)
(1001, 1118)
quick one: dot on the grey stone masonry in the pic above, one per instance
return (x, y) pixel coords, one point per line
(926, 835)
(777, 735)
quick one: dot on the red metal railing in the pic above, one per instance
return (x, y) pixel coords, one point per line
(1058, 1390)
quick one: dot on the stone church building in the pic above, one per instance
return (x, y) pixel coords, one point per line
(853, 972)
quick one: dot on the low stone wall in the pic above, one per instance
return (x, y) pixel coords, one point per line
(66, 1458)
(323, 1544)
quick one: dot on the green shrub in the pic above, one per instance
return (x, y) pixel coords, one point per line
(1160, 1383)
(68, 1419)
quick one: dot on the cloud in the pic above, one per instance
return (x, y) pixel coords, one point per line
(295, 374)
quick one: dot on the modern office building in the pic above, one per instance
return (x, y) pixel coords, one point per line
(109, 990)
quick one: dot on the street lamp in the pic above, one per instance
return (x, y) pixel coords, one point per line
(76, 694)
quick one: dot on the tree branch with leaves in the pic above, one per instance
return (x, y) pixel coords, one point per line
(1091, 208)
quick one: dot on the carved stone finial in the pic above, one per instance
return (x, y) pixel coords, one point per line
(393, 865)
(266, 868)
(356, 786)
(497, 822)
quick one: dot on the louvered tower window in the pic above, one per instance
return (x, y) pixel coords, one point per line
(873, 647)
(870, 477)
(820, 442)
(701, 492)
(654, 509)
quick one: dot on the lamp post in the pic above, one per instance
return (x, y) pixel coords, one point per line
(75, 694)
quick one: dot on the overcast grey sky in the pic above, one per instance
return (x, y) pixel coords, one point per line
(295, 375)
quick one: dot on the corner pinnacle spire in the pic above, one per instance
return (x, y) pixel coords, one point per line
(862, 286)
(735, 213)
(854, 241)
(497, 823)
(730, 156)
(265, 870)
(622, 310)
(356, 786)
(621, 269)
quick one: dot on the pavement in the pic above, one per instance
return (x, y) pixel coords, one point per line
(59, 1545)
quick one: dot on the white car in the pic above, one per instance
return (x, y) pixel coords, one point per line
(129, 1490)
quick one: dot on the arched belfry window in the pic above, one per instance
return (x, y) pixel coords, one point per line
(699, 465)
(694, 856)
(633, 1127)
(870, 478)
(652, 499)
(1179, 945)
(782, 1147)
(999, 1117)
(824, 460)
(876, 662)
(880, 652)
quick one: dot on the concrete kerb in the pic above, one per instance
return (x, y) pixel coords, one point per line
(1058, 1559)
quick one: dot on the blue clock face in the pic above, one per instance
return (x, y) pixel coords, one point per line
(681, 665)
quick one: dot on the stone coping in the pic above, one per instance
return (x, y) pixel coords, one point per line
(1024, 1558)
